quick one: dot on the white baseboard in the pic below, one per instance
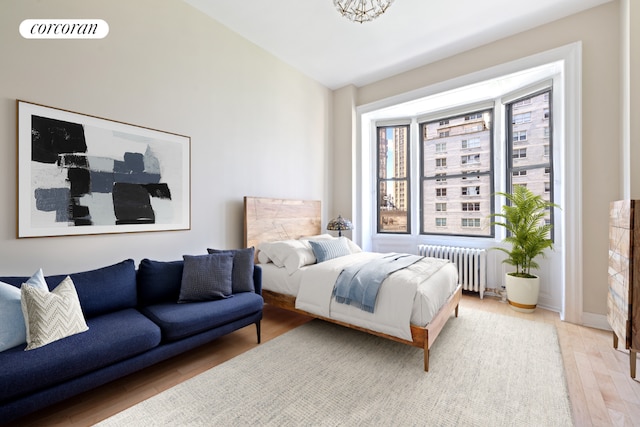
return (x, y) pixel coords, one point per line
(593, 320)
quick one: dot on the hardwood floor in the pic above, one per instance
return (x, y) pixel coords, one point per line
(601, 391)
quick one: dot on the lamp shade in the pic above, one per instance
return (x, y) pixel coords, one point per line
(339, 224)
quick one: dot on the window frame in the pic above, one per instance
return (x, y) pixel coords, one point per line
(407, 179)
(548, 169)
(468, 113)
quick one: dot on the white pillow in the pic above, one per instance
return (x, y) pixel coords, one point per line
(13, 330)
(353, 247)
(51, 316)
(266, 249)
(294, 254)
(280, 250)
(263, 258)
(290, 254)
(299, 258)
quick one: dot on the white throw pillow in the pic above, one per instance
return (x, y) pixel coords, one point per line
(263, 258)
(51, 316)
(13, 330)
(299, 258)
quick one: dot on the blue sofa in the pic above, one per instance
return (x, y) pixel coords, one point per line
(134, 321)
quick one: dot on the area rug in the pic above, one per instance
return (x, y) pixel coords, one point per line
(485, 369)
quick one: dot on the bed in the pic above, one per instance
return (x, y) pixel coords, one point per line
(303, 287)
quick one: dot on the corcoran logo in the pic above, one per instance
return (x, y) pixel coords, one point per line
(64, 29)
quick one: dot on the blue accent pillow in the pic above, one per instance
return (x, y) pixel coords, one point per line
(242, 273)
(206, 277)
(325, 250)
(159, 281)
(13, 331)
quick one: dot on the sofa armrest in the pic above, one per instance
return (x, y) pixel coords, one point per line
(257, 279)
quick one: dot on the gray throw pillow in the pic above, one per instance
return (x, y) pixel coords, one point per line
(243, 263)
(206, 277)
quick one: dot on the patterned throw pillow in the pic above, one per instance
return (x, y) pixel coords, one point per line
(51, 316)
(206, 277)
(12, 325)
(325, 250)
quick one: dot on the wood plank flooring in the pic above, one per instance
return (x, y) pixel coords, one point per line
(601, 391)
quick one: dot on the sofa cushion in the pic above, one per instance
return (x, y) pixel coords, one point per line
(100, 291)
(159, 281)
(206, 277)
(178, 321)
(242, 273)
(13, 331)
(51, 316)
(111, 338)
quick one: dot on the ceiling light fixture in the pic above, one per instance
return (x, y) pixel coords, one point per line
(362, 10)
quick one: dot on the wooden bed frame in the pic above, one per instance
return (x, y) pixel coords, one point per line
(268, 220)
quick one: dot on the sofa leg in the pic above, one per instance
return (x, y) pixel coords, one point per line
(258, 330)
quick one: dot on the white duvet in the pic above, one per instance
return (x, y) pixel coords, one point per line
(411, 295)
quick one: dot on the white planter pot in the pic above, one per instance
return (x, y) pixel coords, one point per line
(522, 293)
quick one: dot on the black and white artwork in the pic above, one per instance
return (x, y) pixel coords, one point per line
(80, 174)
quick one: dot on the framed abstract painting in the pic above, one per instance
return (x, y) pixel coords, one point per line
(80, 174)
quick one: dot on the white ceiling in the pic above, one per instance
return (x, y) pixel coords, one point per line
(311, 36)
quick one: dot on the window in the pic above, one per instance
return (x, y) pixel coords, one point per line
(471, 143)
(470, 175)
(536, 164)
(519, 153)
(441, 222)
(521, 118)
(456, 176)
(471, 191)
(393, 179)
(461, 137)
(471, 159)
(519, 135)
(469, 207)
(470, 223)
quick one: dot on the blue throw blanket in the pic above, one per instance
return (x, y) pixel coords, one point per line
(358, 285)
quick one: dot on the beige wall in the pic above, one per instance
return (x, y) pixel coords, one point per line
(631, 94)
(257, 126)
(598, 30)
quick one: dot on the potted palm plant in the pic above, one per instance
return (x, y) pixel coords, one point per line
(528, 237)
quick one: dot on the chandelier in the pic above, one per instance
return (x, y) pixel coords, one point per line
(361, 10)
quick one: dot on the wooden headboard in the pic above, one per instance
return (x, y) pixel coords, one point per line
(269, 220)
